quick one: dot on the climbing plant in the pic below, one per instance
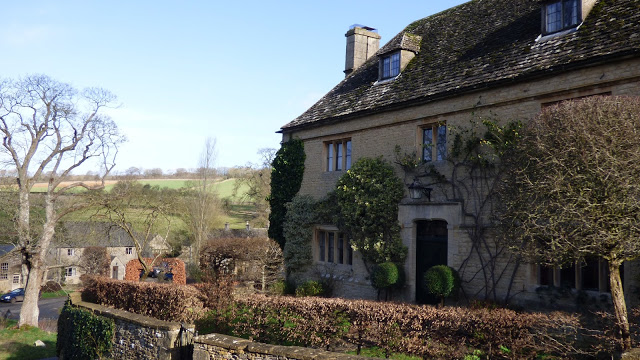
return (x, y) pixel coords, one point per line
(471, 179)
(286, 178)
(368, 196)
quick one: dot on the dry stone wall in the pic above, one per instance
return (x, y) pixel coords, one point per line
(143, 337)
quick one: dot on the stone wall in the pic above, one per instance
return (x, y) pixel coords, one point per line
(142, 337)
(216, 346)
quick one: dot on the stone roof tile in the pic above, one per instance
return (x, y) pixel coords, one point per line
(479, 44)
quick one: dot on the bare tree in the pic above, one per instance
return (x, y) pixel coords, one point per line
(573, 189)
(95, 260)
(201, 204)
(49, 128)
(255, 182)
(141, 211)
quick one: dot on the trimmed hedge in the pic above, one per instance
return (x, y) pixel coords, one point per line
(419, 330)
(169, 302)
(83, 335)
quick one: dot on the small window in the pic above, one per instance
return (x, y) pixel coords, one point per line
(333, 248)
(69, 252)
(338, 155)
(16, 278)
(70, 271)
(434, 143)
(561, 15)
(129, 251)
(4, 267)
(390, 66)
(4, 276)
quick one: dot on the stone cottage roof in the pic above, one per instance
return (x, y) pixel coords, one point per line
(4, 249)
(479, 44)
(82, 234)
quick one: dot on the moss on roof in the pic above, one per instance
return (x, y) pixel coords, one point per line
(481, 43)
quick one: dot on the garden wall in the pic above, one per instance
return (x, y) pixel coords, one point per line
(216, 346)
(143, 337)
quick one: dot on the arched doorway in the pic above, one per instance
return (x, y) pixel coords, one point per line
(431, 249)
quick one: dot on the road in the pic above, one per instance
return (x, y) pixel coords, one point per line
(49, 308)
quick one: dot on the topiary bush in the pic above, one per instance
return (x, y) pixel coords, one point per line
(442, 281)
(309, 288)
(385, 275)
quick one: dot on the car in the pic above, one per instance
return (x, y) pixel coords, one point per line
(13, 296)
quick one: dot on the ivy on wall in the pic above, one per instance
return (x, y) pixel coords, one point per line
(83, 335)
(286, 178)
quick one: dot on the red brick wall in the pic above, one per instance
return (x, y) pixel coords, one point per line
(132, 271)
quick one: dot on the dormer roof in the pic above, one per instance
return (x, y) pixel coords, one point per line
(402, 41)
(476, 45)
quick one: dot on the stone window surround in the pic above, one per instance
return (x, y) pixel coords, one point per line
(337, 155)
(70, 271)
(16, 278)
(438, 150)
(128, 250)
(389, 65)
(340, 256)
(70, 252)
(555, 275)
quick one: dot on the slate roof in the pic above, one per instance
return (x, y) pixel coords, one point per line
(4, 249)
(479, 44)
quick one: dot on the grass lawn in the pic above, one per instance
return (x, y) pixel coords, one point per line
(56, 294)
(19, 343)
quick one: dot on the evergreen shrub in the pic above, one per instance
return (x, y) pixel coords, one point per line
(310, 288)
(441, 281)
(385, 275)
(83, 335)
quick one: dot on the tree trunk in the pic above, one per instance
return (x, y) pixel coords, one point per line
(619, 305)
(29, 312)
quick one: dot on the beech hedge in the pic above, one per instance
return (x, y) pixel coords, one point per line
(424, 331)
(170, 302)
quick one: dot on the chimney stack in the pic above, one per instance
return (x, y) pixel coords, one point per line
(362, 43)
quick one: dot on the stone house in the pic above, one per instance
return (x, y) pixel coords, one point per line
(65, 257)
(10, 269)
(506, 59)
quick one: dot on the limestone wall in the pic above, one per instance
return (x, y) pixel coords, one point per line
(142, 337)
(216, 346)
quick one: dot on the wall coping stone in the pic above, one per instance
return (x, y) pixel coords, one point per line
(142, 320)
(295, 352)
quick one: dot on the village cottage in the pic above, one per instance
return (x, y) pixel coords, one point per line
(498, 59)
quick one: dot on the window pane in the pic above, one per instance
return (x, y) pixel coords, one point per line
(545, 275)
(329, 157)
(427, 144)
(590, 274)
(442, 142)
(386, 67)
(570, 13)
(568, 277)
(339, 157)
(349, 253)
(331, 248)
(321, 245)
(554, 16)
(348, 155)
(340, 248)
(395, 64)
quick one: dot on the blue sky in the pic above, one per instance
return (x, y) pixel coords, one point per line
(184, 71)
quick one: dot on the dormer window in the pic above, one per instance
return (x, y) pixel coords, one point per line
(561, 15)
(390, 66)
